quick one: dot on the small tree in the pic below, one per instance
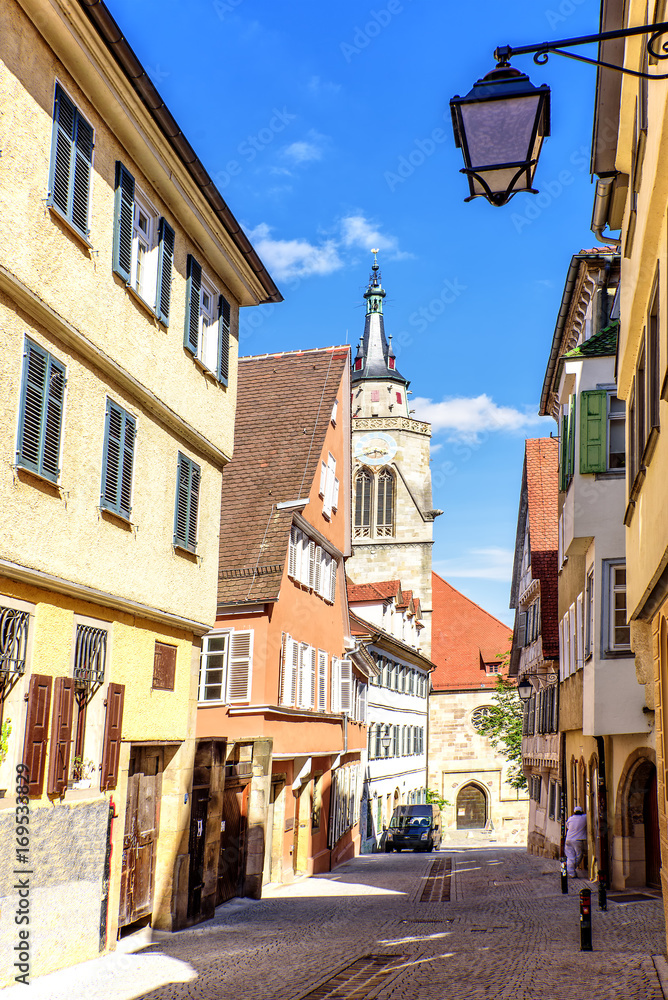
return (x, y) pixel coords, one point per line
(4, 739)
(434, 799)
(502, 724)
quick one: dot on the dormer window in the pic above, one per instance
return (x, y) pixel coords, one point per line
(358, 364)
(391, 362)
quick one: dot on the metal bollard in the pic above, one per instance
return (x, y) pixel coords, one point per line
(585, 920)
(564, 877)
(602, 894)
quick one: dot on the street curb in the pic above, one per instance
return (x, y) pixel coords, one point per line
(661, 966)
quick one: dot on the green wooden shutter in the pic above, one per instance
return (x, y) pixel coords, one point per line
(165, 262)
(563, 451)
(124, 211)
(62, 145)
(593, 419)
(83, 160)
(193, 289)
(187, 502)
(118, 461)
(224, 311)
(41, 412)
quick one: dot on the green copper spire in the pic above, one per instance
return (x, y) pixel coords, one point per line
(374, 294)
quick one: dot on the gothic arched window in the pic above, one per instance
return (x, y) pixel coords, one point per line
(362, 520)
(385, 504)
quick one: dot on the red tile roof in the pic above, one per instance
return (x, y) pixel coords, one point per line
(284, 405)
(373, 591)
(463, 635)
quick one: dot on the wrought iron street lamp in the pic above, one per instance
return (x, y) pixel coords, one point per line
(525, 688)
(386, 739)
(501, 123)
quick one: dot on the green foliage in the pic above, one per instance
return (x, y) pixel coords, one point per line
(4, 739)
(502, 724)
(434, 799)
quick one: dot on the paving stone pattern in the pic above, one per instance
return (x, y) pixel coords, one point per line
(507, 933)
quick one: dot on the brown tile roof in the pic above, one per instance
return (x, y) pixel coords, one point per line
(542, 484)
(374, 591)
(463, 636)
(284, 405)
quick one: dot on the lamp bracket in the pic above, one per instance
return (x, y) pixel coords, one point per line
(542, 52)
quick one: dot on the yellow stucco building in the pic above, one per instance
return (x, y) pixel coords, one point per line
(629, 156)
(122, 271)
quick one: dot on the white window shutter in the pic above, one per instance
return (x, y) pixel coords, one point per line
(363, 703)
(314, 678)
(286, 669)
(329, 486)
(580, 632)
(335, 495)
(311, 564)
(317, 581)
(322, 680)
(332, 581)
(335, 410)
(323, 478)
(240, 666)
(336, 686)
(294, 673)
(346, 667)
(292, 554)
(304, 557)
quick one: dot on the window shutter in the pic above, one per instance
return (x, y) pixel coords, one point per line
(323, 479)
(286, 669)
(311, 564)
(83, 159)
(240, 666)
(521, 629)
(335, 495)
(166, 238)
(302, 676)
(593, 420)
(346, 668)
(129, 433)
(317, 582)
(332, 580)
(53, 419)
(329, 486)
(570, 465)
(61, 735)
(187, 503)
(193, 290)
(292, 551)
(124, 211)
(224, 312)
(35, 364)
(335, 692)
(118, 460)
(111, 745)
(362, 708)
(62, 144)
(37, 731)
(294, 673)
(313, 694)
(164, 667)
(322, 680)
(194, 506)
(563, 456)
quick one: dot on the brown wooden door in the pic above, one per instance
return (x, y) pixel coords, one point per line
(198, 816)
(232, 859)
(651, 823)
(141, 833)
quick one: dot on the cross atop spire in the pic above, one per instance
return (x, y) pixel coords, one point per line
(375, 358)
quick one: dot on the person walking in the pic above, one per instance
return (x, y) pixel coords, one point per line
(576, 840)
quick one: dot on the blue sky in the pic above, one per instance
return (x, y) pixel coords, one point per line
(327, 129)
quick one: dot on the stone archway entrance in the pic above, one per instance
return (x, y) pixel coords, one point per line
(637, 860)
(471, 807)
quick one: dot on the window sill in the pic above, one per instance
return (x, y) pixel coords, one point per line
(53, 483)
(610, 474)
(78, 235)
(181, 550)
(118, 519)
(650, 446)
(617, 654)
(144, 303)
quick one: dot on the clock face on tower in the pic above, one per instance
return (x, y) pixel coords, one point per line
(376, 448)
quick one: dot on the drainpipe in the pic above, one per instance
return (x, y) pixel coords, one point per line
(562, 755)
(599, 218)
(602, 803)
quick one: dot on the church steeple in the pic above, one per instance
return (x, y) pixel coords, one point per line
(375, 358)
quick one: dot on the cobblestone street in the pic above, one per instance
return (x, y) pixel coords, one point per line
(478, 923)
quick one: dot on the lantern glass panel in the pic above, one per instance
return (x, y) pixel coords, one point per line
(500, 131)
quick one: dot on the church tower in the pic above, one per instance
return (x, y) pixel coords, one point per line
(392, 505)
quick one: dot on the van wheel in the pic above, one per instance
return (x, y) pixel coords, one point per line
(388, 848)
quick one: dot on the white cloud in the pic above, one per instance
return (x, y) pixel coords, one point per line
(294, 258)
(306, 150)
(319, 87)
(466, 418)
(358, 231)
(481, 564)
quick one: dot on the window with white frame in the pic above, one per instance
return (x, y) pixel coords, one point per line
(616, 631)
(207, 322)
(144, 246)
(312, 566)
(226, 665)
(303, 680)
(41, 411)
(70, 174)
(329, 486)
(341, 692)
(589, 613)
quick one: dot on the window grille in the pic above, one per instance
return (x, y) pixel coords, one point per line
(13, 642)
(90, 656)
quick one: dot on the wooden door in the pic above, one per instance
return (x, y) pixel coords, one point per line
(140, 836)
(232, 858)
(651, 823)
(198, 816)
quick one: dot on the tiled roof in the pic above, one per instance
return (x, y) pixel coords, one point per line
(373, 591)
(603, 344)
(463, 635)
(284, 405)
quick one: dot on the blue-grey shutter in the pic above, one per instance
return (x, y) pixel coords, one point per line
(165, 261)
(224, 311)
(193, 289)
(62, 144)
(41, 412)
(124, 211)
(187, 502)
(83, 160)
(118, 460)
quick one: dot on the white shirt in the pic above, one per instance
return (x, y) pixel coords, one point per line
(576, 827)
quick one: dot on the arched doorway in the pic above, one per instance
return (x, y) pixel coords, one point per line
(471, 808)
(638, 859)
